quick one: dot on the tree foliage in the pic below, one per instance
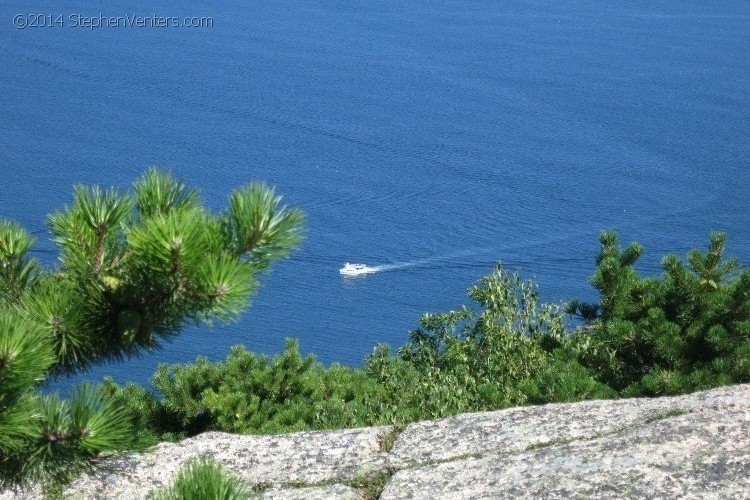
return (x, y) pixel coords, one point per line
(134, 268)
(686, 330)
(248, 393)
(507, 353)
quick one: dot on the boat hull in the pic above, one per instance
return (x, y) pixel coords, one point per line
(356, 270)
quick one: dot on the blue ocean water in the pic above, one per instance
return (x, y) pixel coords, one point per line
(437, 136)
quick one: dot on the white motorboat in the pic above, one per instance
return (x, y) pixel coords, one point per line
(355, 269)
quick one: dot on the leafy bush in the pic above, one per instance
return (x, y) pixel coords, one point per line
(204, 480)
(505, 355)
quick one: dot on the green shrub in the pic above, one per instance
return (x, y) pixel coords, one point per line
(204, 480)
(684, 331)
(248, 393)
(513, 352)
(504, 355)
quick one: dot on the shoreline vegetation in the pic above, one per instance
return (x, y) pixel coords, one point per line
(136, 267)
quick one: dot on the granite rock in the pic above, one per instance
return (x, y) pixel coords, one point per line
(692, 446)
(685, 450)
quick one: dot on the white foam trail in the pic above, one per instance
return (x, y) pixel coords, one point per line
(464, 253)
(385, 267)
(433, 260)
(419, 262)
(402, 265)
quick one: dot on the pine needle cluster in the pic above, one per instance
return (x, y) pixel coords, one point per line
(204, 480)
(134, 268)
(686, 330)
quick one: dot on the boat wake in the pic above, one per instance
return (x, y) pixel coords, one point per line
(403, 265)
(458, 258)
(355, 270)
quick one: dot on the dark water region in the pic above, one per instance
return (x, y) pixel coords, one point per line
(438, 137)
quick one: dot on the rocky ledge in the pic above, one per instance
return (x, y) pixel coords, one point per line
(694, 446)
